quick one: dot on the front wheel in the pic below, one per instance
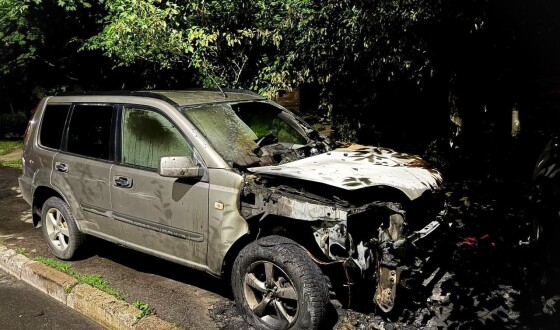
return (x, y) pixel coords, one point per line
(277, 286)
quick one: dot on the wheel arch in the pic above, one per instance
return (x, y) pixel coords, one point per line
(40, 196)
(232, 253)
(268, 226)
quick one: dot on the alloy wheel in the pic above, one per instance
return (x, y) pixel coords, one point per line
(57, 229)
(271, 295)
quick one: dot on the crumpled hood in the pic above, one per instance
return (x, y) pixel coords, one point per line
(357, 166)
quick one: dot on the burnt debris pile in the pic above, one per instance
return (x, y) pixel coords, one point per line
(487, 276)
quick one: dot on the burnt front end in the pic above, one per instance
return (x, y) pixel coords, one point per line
(363, 207)
(374, 233)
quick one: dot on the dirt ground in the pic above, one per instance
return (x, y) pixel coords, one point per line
(14, 155)
(482, 283)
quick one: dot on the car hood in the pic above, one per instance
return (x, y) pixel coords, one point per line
(357, 166)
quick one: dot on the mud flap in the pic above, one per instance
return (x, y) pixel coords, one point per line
(387, 288)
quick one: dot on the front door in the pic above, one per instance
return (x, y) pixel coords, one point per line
(165, 216)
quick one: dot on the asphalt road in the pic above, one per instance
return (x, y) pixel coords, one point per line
(24, 307)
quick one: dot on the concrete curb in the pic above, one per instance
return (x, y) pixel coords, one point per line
(93, 303)
(51, 281)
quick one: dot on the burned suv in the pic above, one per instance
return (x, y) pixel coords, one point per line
(232, 184)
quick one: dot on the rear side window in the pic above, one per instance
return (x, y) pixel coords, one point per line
(89, 132)
(52, 125)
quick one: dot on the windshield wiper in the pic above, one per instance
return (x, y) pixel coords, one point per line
(266, 140)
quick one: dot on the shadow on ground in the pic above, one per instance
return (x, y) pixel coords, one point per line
(146, 263)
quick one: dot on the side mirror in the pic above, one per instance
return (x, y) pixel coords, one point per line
(179, 167)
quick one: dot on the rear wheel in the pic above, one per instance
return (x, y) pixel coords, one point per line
(277, 286)
(60, 230)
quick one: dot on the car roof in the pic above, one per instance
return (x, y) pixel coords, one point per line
(182, 98)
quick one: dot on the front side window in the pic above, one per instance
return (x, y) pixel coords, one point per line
(147, 136)
(52, 125)
(89, 132)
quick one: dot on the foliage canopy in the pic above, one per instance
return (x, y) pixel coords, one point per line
(370, 62)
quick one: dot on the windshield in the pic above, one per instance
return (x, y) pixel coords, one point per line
(238, 131)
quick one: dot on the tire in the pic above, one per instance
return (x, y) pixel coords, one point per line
(60, 230)
(276, 273)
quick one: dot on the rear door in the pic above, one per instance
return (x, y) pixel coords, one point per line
(38, 161)
(159, 215)
(81, 170)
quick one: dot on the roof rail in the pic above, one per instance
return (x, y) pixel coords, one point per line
(156, 93)
(146, 93)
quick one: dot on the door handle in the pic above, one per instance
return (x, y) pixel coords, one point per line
(61, 167)
(122, 181)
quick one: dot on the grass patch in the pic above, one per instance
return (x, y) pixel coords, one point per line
(22, 251)
(8, 146)
(145, 309)
(96, 281)
(12, 163)
(56, 264)
(99, 282)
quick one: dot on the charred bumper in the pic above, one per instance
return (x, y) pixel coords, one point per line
(380, 242)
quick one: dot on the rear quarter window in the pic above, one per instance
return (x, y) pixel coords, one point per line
(52, 125)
